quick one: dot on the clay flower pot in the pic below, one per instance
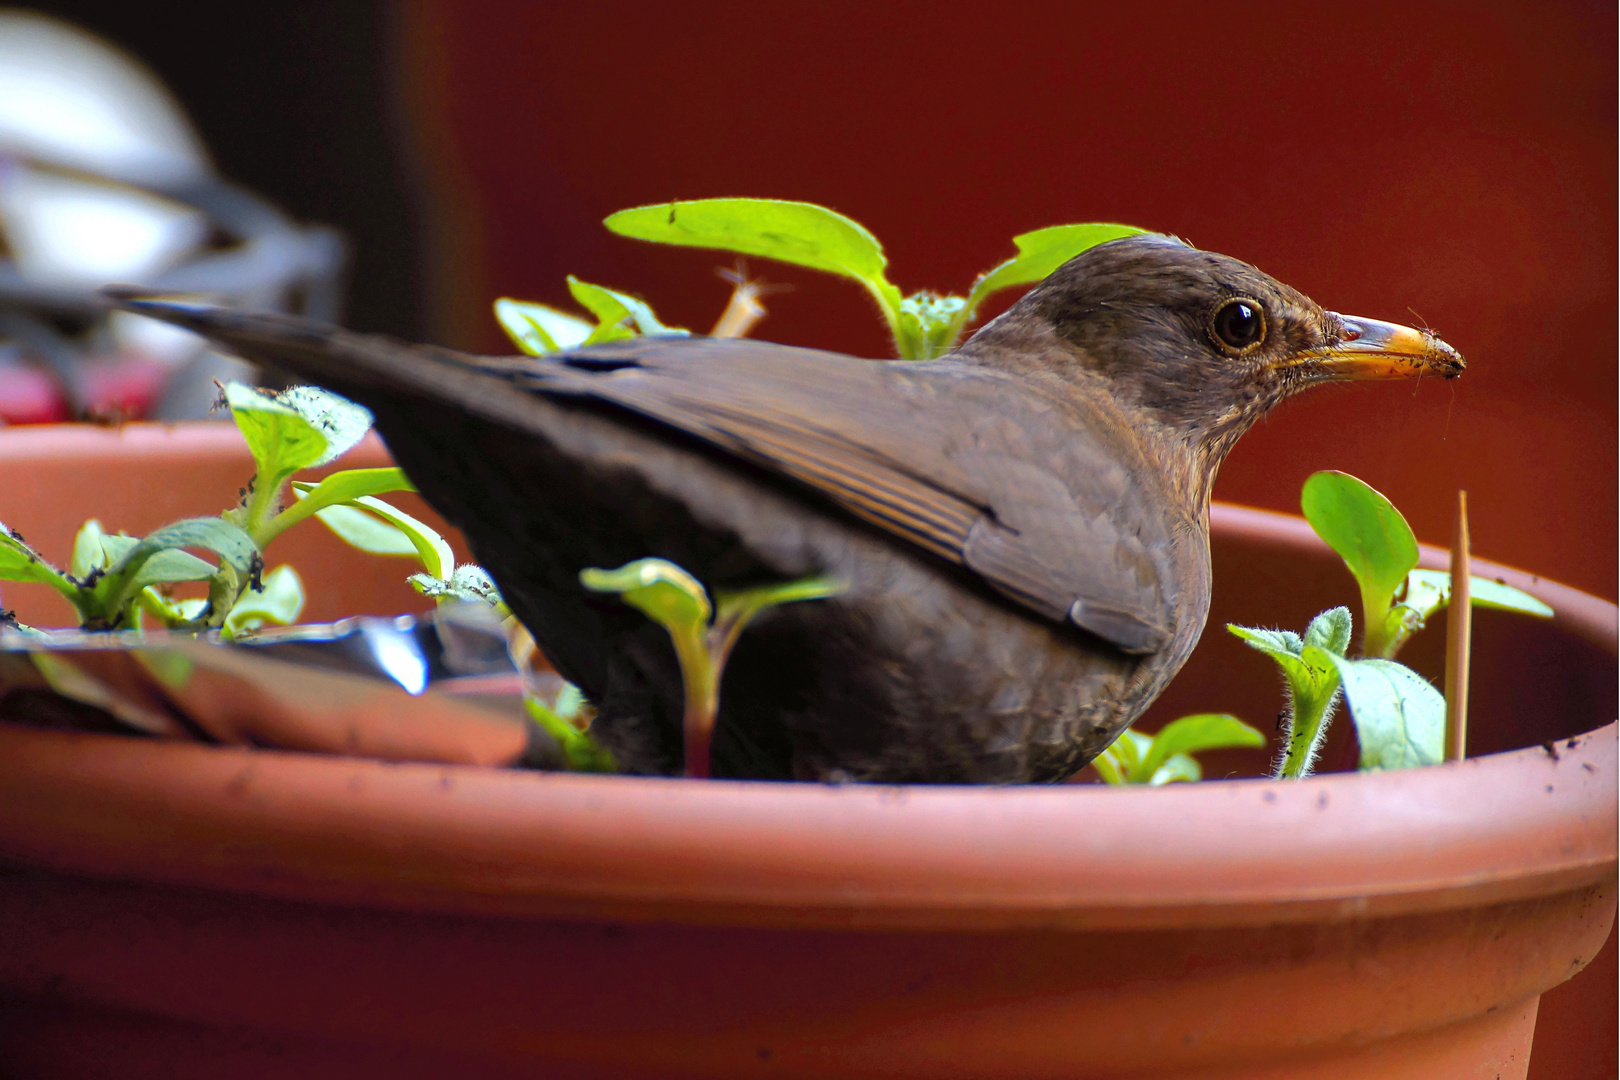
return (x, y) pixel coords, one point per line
(180, 910)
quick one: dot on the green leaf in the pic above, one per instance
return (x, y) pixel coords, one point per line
(352, 484)
(366, 532)
(663, 591)
(339, 420)
(1330, 631)
(115, 547)
(1373, 539)
(431, 548)
(1427, 591)
(1312, 680)
(1121, 761)
(19, 562)
(281, 601)
(281, 440)
(612, 308)
(335, 490)
(1283, 646)
(611, 313)
(800, 233)
(87, 550)
(156, 556)
(538, 329)
(1193, 734)
(580, 752)
(1177, 767)
(170, 566)
(1107, 769)
(398, 533)
(1041, 252)
(1400, 719)
(745, 603)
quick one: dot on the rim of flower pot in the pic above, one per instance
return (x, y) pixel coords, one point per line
(446, 838)
(1503, 827)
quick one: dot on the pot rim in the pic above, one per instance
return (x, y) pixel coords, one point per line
(1340, 846)
(423, 837)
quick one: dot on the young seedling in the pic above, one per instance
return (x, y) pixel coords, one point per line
(1400, 718)
(924, 325)
(538, 329)
(703, 634)
(1139, 758)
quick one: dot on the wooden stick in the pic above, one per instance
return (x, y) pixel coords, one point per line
(1459, 625)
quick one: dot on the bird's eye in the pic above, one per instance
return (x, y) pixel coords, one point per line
(1239, 324)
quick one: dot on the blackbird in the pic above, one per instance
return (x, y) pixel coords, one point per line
(1021, 526)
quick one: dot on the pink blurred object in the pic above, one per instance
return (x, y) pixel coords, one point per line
(29, 395)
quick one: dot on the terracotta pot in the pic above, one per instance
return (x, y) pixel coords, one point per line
(185, 911)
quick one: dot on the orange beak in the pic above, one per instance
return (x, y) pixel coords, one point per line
(1373, 349)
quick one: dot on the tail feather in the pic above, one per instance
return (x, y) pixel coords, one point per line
(358, 366)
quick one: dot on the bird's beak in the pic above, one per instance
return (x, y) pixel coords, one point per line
(1372, 349)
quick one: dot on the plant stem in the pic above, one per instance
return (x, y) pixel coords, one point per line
(260, 504)
(701, 676)
(1458, 634)
(1307, 728)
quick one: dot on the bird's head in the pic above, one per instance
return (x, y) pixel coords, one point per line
(1199, 344)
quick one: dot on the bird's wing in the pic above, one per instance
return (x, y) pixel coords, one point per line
(960, 461)
(963, 462)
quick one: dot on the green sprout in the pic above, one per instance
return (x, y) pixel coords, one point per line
(924, 325)
(1400, 718)
(1139, 758)
(702, 633)
(114, 581)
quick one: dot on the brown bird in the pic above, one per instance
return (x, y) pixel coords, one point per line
(1022, 525)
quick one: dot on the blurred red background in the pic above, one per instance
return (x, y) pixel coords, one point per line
(1445, 164)
(1449, 165)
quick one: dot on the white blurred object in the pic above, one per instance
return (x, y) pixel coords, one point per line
(65, 230)
(103, 180)
(71, 98)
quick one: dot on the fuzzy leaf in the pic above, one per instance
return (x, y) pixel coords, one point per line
(1330, 631)
(469, 582)
(1313, 686)
(1400, 719)
(171, 566)
(339, 420)
(281, 439)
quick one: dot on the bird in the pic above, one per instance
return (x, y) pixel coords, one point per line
(1020, 528)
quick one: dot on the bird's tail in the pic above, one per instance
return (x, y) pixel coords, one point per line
(358, 366)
